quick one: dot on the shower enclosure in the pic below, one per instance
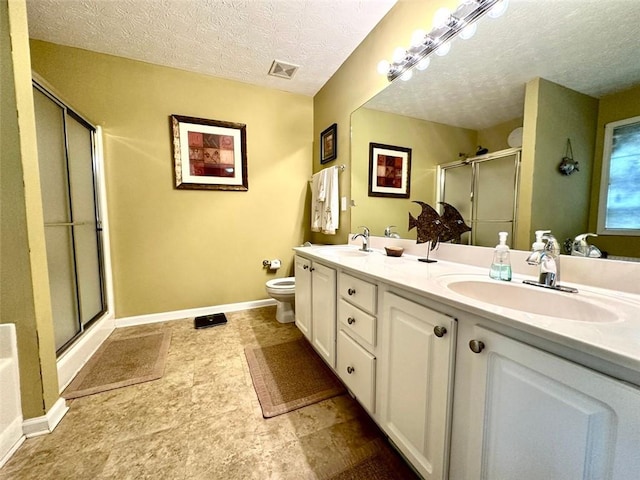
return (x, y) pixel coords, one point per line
(73, 233)
(484, 190)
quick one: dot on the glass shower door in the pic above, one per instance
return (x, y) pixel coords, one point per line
(72, 228)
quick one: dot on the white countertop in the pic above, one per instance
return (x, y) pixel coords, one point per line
(615, 341)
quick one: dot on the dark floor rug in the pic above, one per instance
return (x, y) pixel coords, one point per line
(120, 362)
(290, 375)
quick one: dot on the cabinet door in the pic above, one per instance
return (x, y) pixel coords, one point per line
(303, 295)
(323, 312)
(416, 382)
(535, 415)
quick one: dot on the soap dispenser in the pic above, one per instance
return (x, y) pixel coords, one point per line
(501, 265)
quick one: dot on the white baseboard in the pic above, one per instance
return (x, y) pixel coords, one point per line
(34, 427)
(10, 439)
(71, 361)
(192, 312)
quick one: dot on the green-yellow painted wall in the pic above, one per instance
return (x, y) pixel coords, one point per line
(613, 107)
(23, 266)
(431, 144)
(495, 138)
(556, 202)
(179, 249)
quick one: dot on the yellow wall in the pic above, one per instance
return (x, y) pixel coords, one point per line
(431, 144)
(613, 107)
(180, 249)
(357, 81)
(556, 202)
(495, 138)
(23, 265)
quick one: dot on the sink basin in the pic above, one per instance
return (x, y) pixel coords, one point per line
(582, 307)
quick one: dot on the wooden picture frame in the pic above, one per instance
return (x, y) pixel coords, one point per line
(329, 144)
(209, 154)
(389, 171)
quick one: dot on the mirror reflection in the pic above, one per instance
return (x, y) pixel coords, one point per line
(541, 83)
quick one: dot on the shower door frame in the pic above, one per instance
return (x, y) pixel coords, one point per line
(474, 163)
(82, 326)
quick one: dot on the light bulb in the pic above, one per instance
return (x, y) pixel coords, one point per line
(383, 67)
(399, 54)
(407, 75)
(469, 31)
(417, 37)
(443, 49)
(441, 18)
(498, 9)
(423, 64)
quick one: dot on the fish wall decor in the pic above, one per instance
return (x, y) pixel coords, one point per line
(428, 224)
(452, 218)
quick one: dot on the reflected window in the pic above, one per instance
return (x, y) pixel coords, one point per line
(620, 192)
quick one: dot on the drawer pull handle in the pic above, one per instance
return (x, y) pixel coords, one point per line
(476, 346)
(351, 291)
(351, 320)
(439, 331)
(350, 370)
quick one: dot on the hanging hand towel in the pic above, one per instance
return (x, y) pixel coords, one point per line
(317, 200)
(331, 212)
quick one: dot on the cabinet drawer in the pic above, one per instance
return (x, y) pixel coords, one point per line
(357, 369)
(358, 292)
(352, 319)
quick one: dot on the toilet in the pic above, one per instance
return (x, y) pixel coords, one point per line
(283, 291)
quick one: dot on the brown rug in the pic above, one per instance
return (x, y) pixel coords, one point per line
(290, 375)
(374, 461)
(120, 362)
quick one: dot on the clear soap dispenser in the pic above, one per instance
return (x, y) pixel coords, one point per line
(501, 265)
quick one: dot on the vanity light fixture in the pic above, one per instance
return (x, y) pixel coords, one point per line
(446, 26)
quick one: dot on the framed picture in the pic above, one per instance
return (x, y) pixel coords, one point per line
(389, 171)
(329, 144)
(209, 154)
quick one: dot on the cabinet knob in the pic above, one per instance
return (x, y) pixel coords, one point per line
(305, 267)
(476, 346)
(351, 291)
(311, 269)
(350, 370)
(439, 331)
(351, 320)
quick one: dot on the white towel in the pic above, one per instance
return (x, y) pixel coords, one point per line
(317, 184)
(331, 213)
(325, 211)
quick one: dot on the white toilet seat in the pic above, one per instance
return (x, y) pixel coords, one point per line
(282, 285)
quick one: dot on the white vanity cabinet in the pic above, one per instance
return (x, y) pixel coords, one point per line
(356, 360)
(316, 306)
(524, 413)
(416, 362)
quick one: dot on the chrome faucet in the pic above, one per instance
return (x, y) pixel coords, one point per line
(546, 254)
(389, 234)
(365, 239)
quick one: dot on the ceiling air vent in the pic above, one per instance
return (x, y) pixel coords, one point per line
(283, 70)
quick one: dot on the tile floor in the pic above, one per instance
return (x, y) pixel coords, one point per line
(202, 420)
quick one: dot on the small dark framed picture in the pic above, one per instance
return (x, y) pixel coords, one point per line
(389, 171)
(329, 144)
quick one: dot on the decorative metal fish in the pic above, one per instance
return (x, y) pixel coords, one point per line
(453, 219)
(428, 224)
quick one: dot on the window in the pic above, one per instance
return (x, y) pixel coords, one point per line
(619, 212)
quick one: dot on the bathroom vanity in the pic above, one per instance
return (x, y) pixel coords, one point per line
(473, 378)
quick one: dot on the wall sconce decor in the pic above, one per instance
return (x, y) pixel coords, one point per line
(446, 26)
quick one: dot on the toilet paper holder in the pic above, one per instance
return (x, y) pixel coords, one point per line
(272, 264)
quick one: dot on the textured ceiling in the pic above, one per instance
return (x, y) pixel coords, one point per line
(234, 39)
(591, 46)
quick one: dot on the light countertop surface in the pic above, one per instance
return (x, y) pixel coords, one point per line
(610, 329)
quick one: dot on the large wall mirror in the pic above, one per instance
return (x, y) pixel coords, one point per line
(560, 69)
